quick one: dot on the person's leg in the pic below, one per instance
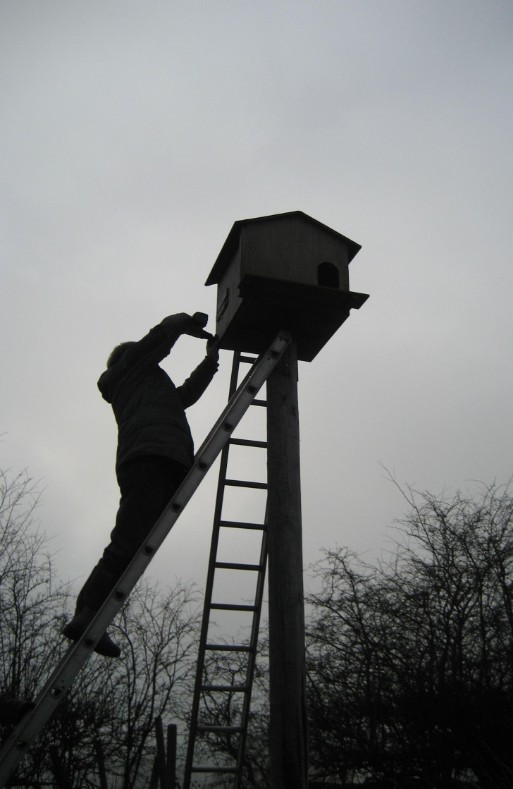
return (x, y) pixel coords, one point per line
(147, 484)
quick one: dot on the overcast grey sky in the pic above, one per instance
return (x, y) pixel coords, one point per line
(134, 134)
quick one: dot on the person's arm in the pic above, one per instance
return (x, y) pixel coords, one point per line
(156, 345)
(150, 350)
(192, 389)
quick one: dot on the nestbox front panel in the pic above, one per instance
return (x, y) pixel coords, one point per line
(294, 250)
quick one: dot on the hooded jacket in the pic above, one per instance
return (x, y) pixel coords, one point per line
(148, 407)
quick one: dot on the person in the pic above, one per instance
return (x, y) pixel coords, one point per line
(154, 453)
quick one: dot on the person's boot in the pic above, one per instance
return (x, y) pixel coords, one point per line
(13, 710)
(74, 630)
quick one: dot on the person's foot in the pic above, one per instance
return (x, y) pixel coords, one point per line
(13, 710)
(75, 629)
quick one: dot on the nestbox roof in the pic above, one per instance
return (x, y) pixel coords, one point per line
(232, 241)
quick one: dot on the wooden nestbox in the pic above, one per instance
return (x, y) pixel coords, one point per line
(286, 271)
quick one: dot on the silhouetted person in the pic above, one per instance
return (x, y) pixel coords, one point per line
(155, 450)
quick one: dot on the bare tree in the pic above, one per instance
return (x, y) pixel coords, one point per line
(411, 661)
(30, 595)
(114, 701)
(157, 631)
(32, 606)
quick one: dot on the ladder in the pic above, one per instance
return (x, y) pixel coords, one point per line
(78, 653)
(208, 693)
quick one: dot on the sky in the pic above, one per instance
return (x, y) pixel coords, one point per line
(134, 135)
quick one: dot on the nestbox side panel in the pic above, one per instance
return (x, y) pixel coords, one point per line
(228, 296)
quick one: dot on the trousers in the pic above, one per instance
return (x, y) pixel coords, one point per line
(146, 486)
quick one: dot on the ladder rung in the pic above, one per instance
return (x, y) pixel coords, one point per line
(219, 729)
(244, 483)
(248, 359)
(225, 688)
(241, 525)
(248, 442)
(232, 607)
(262, 403)
(228, 648)
(237, 566)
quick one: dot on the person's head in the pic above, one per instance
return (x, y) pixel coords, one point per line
(118, 352)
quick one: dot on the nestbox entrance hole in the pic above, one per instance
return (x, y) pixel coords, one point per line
(328, 275)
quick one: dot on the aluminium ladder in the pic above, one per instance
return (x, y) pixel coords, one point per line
(241, 656)
(78, 653)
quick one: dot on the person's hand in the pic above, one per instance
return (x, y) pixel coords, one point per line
(213, 348)
(189, 324)
(196, 326)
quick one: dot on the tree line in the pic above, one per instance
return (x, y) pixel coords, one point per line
(409, 659)
(113, 704)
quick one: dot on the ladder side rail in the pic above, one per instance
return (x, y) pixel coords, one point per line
(60, 681)
(200, 663)
(250, 670)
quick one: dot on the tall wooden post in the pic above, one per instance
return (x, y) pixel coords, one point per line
(288, 746)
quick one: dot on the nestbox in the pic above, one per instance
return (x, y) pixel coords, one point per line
(286, 271)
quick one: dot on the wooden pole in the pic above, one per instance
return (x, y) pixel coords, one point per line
(154, 778)
(100, 757)
(165, 782)
(59, 773)
(171, 753)
(288, 746)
